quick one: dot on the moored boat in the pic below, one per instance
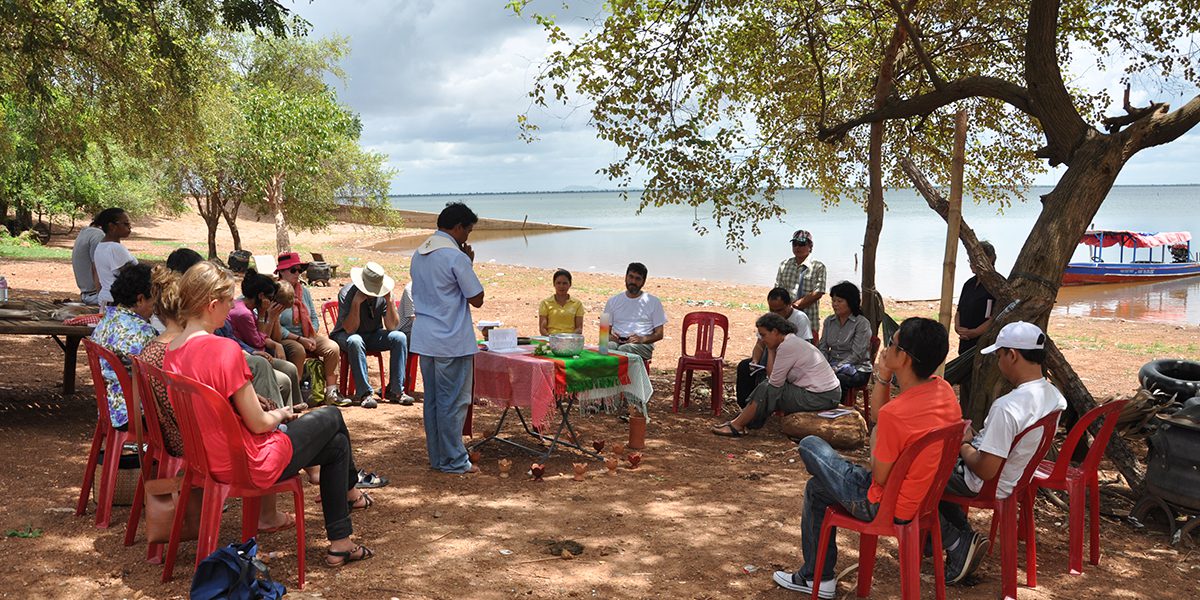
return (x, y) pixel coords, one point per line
(1174, 261)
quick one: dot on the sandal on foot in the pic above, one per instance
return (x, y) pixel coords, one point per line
(728, 430)
(363, 497)
(370, 480)
(287, 524)
(355, 555)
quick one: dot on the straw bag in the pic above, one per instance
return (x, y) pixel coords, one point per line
(162, 496)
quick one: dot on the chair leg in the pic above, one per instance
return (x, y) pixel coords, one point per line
(822, 548)
(89, 472)
(185, 496)
(298, 500)
(135, 511)
(410, 373)
(382, 377)
(687, 388)
(1030, 529)
(678, 383)
(108, 479)
(867, 545)
(210, 520)
(344, 379)
(718, 393)
(939, 561)
(1007, 514)
(250, 510)
(1075, 517)
(1093, 488)
(910, 562)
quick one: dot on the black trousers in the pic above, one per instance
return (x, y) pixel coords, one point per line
(320, 438)
(747, 382)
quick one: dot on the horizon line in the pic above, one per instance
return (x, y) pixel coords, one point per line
(619, 190)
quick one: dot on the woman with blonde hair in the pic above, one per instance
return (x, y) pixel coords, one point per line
(320, 437)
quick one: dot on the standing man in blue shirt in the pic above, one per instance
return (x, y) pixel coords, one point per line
(444, 288)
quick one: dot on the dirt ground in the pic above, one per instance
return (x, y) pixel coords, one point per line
(702, 517)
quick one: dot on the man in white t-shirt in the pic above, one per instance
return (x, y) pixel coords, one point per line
(1020, 351)
(637, 317)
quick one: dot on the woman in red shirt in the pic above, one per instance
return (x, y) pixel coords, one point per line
(318, 438)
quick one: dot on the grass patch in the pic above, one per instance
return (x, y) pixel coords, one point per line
(31, 252)
(1158, 348)
(28, 533)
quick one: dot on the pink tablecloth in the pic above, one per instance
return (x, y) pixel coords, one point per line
(517, 380)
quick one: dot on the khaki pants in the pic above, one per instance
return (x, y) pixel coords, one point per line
(327, 350)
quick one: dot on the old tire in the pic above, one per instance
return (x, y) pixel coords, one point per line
(1175, 377)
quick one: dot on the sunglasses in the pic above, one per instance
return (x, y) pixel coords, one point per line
(295, 270)
(800, 242)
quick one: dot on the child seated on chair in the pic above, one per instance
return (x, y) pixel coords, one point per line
(925, 402)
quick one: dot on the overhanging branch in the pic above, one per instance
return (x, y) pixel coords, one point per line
(970, 87)
(1168, 127)
(918, 47)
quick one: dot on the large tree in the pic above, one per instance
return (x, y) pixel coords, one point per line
(729, 101)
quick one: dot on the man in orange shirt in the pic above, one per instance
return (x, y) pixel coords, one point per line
(925, 402)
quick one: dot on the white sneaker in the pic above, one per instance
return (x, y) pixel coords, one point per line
(796, 583)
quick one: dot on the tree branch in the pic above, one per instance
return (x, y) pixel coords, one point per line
(1166, 128)
(918, 47)
(1064, 127)
(979, 86)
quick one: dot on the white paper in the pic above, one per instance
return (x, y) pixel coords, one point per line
(483, 324)
(502, 339)
(834, 413)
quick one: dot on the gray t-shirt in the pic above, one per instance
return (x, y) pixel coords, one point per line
(82, 255)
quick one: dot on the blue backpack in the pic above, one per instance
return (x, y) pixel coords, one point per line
(233, 573)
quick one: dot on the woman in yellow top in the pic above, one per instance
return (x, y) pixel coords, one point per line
(560, 313)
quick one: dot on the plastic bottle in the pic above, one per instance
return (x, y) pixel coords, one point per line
(605, 328)
(3, 289)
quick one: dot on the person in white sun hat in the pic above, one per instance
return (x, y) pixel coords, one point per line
(367, 321)
(1020, 352)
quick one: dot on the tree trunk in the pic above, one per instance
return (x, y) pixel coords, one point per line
(274, 199)
(208, 202)
(229, 210)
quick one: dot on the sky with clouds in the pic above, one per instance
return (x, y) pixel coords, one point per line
(439, 85)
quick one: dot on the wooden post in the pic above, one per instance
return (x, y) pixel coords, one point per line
(946, 314)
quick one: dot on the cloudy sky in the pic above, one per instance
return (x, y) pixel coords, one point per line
(439, 85)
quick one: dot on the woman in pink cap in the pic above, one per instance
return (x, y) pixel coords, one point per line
(301, 330)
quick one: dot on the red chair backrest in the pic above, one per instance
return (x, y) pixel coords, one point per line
(148, 400)
(96, 353)
(706, 328)
(950, 439)
(1046, 425)
(205, 419)
(1109, 413)
(329, 315)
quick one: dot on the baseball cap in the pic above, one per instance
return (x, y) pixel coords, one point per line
(801, 237)
(1018, 336)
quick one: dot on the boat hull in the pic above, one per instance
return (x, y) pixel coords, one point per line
(1088, 273)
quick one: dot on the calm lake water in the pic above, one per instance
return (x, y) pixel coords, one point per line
(910, 248)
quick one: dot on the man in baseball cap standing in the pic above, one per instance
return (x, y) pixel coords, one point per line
(805, 281)
(1020, 352)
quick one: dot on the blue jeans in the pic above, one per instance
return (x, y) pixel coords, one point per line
(835, 481)
(356, 345)
(448, 386)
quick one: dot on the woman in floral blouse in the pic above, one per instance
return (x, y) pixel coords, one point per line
(124, 331)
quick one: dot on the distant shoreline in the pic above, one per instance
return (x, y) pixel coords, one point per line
(639, 190)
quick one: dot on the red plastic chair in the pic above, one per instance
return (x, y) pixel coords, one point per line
(865, 390)
(105, 435)
(205, 418)
(702, 359)
(909, 534)
(346, 385)
(1077, 482)
(1005, 510)
(155, 452)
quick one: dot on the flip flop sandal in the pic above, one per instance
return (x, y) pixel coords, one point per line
(363, 553)
(370, 480)
(727, 430)
(365, 497)
(289, 524)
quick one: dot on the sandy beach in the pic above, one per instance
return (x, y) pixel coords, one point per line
(683, 525)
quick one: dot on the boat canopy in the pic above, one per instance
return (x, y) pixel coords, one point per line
(1104, 238)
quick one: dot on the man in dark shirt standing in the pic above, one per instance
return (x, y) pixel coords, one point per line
(973, 315)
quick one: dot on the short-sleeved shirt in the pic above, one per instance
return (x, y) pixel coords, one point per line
(285, 317)
(109, 258)
(1011, 414)
(801, 280)
(561, 316)
(407, 313)
(442, 280)
(217, 362)
(902, 421)
(801, 364)
(370, 312)
(83, 253)
(245, 326)
(124, 333)
(635, 316)
(973, 304)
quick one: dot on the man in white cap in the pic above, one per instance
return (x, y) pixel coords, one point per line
(1020, 352)
(444, 288)
(367, 321)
